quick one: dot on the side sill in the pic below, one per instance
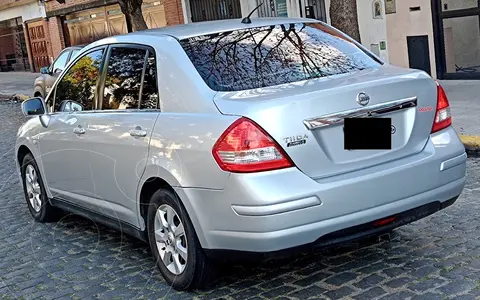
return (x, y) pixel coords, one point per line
(100, 218)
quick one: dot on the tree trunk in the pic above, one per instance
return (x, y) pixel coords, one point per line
(343, 14)
(129, 23)
(132, 9)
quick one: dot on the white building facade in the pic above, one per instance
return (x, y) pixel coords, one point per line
(15, 52)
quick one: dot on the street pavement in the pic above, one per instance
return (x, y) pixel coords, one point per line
(434, 258)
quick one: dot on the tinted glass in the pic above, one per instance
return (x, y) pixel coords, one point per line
(80, 82)
(61, 61)
(74, 53)
(150, 90)
(124, 78)
(267, 56)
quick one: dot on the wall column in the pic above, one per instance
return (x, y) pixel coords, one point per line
(56, 37)
(29, 49)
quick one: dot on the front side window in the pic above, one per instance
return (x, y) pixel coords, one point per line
(272, 55)
(124, 78)
(60, 62)
(79, 84)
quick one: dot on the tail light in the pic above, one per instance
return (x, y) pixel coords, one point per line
(443, 117)
(245, 147)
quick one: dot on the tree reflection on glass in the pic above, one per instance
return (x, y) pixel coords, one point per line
(123, 80)
(79, 83)
(272, 55)
(150, 90)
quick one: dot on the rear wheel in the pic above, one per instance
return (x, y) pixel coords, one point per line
(175, 245)
(35, 192)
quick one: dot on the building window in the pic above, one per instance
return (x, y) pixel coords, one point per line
(377, 9)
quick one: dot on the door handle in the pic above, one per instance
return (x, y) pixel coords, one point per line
(78, 130)
(138, 132)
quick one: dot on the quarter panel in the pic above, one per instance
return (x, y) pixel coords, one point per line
(182, 145)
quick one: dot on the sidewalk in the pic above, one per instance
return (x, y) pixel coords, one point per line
(17, 83)
(464, 98)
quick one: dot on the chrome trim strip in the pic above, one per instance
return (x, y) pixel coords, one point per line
(364, 112)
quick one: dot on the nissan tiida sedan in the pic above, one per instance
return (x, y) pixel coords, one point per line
(224, 139)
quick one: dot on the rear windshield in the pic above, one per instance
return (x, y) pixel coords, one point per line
(272, 55)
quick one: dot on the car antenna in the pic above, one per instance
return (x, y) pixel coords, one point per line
(247, 19)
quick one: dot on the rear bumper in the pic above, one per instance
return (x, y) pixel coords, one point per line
(346, 235)
(272, 211)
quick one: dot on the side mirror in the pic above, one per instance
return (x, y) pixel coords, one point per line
(34, 106)
(44, 70)
(70, 106)
(57, 71)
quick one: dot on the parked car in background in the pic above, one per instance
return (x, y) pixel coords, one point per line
(227, 139)
(44, 82)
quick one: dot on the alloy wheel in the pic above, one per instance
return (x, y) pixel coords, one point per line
(170, 239)
(34, 191)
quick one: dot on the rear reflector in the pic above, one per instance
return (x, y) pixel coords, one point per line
(245, 147)
(443, 117)
(384, 222)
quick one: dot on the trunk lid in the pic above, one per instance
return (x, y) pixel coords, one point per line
(287, 111)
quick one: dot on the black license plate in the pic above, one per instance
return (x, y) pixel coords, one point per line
(367, 134)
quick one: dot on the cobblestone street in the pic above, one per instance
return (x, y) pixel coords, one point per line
(434, 258)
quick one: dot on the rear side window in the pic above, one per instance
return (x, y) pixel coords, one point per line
(131, 80)
(272, 55)
(124, 78)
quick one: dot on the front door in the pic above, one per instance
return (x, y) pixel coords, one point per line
(120, 132)
(65, 154)
(418, 53)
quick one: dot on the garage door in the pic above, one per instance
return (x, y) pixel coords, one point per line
(154, 14)
(94, 24)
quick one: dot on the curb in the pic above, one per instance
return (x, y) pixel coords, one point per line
(472, 144)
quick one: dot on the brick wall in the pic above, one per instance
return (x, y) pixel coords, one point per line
(54, 5)
(173, 12)
(6, 44)
(56, 35)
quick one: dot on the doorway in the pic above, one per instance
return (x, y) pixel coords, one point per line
(419, 53)
(456, 26)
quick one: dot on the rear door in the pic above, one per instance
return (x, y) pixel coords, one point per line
(299, 81)
(120, 131)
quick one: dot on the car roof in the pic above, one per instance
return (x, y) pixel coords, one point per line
(209, 27)
(74, 47)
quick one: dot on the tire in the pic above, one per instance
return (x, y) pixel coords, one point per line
(197, 270)
(39, 205)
